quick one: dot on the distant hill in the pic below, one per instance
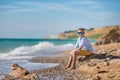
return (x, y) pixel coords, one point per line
(93, 33)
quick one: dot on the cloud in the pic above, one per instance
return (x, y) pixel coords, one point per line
(85, 2)
(18, 11)
(21, 7)
(47, 6)
(103, 18)
(8, 7)
(92, 9)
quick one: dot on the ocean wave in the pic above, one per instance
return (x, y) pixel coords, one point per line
(22, 51)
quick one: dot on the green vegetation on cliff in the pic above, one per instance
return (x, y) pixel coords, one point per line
(72, 36)
(95, 36)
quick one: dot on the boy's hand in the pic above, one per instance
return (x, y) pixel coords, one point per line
(79, 48)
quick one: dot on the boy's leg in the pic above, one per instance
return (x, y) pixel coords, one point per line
(74, 55)
(78, 52)
(69, 61)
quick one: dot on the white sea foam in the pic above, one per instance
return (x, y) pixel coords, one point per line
(24, 51)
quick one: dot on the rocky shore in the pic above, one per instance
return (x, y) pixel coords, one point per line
(104, 65)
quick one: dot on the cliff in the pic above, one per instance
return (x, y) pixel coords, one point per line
(113, 36)
(95, 33)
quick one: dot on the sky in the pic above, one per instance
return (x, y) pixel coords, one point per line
(38, 18)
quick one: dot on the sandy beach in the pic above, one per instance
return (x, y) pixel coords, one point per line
(102, 66)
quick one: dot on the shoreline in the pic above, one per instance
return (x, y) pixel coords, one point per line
(107, 60)
(102, 66)
(57, 72)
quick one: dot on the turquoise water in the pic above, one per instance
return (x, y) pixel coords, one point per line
(9, 44)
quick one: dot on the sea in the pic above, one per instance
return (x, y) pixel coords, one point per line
(20, 51)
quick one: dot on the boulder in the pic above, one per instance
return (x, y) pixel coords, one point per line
(17, 71)
(89, 69)
(113, 36)
(31, 76)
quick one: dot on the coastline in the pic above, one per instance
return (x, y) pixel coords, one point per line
(101, 66)
(107, 60)
(57, 72)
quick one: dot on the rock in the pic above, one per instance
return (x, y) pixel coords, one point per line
(107, 59)
(31, 76)
(118, 51)
(103, 76)
(88, 69)
(103, 64)
(17, 71)
(113, 36)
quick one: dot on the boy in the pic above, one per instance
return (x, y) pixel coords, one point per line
(82, 48)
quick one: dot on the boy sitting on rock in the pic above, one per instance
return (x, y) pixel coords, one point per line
(82, 48)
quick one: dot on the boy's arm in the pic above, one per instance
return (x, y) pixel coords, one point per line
(79, 48)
